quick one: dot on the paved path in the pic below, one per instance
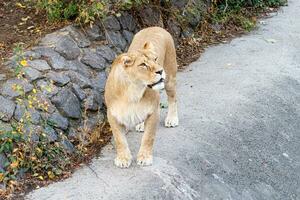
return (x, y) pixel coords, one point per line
(239, 133)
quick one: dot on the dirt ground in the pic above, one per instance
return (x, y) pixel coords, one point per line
(21, 23)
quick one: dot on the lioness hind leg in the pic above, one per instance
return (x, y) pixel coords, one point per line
(172, 116)
(170, 66)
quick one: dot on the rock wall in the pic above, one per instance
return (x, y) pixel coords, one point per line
(67, 72)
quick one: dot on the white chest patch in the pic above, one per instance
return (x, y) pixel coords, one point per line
(130, 115)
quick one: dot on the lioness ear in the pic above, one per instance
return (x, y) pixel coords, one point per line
(148, 46)
(127, 60)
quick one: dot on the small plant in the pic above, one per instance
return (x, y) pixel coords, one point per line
(27, 149)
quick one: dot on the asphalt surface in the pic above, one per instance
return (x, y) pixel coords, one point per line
(239, 133)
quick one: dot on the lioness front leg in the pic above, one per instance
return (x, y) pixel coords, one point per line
(124, 157)
(144, 156)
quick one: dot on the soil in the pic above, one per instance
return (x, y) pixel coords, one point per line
(20, 22)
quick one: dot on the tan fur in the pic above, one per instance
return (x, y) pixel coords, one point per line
(128, 98)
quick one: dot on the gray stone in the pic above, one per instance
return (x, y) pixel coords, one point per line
(194, 18)
(2, 77)
(32, 55)
(79, 79)
(50, 40)
(32, 74)
(56, 61)
(58, 121)
(32, 133)
(67, 145)
(7, 108)
(116, 40)
(95, 33)
(73, 134)
(127, 21)
(174, 28)
(78, 92)
(33, 114)
(180, 4)
(67, 102)
(111, 23)
(3, 160)
(78, 36)
(99, 81)
(58, 78)
(67, 48)
(8, 89)
(93, 60)
(128, 36)
(106, 53)
(91, 103)
(50, 134)
(47, 88)
(40, 65)
(151, 17)
(79, 67)
(43, 100)
(187, 32)
(5, 127)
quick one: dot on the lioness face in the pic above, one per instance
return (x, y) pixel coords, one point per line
(142, 67)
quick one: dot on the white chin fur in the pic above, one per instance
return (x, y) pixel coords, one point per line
(159, 86)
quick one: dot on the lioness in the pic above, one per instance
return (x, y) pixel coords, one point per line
(132, 91)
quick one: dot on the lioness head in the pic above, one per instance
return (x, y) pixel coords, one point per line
(142, 67)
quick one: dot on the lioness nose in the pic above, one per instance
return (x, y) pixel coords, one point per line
(159, 72)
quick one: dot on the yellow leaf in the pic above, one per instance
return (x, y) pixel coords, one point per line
(41, 178)
(20, 5)
(1, 177)
(14, 164)
(51, 175)
(23, 63)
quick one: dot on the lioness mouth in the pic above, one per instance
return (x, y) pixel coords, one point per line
(152, 85)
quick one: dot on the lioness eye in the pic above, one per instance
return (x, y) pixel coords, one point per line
(155, 59)
(144, 65)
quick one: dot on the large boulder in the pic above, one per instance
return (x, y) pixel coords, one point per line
(106, 52)
(127, 22)
(95, 33)
(68, 104)
(15, 87)
(58, 78)
(32, 74)
(56, 61)
(21, 110)
(67, 48)
(78, 36)
(40, 65)
(58, 121)
(151, 17)
(79, 79)
(7, 108)
(111, 23)
(93, 60)
(116, 40)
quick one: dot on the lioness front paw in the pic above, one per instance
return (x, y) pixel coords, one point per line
(123, 161)
(140, 127)
(144, 160)
(171, 121)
